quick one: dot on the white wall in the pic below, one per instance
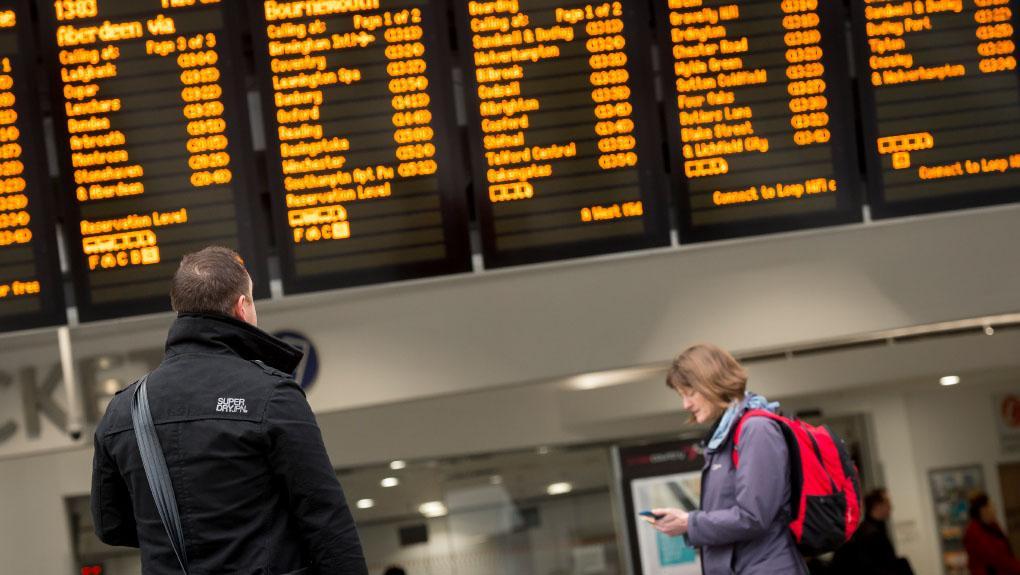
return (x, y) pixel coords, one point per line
(34, 534)
(454, 548)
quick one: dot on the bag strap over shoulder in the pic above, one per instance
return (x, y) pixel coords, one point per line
(156, 471)
(740, 427)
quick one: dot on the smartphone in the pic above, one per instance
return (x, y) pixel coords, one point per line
(651, 515)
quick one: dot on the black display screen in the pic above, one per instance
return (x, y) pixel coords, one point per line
(562, 120)
(758, 115)
(364, 159)
(941, 103)
(153, 141)
(31, 293)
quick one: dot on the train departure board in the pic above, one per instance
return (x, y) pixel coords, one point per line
(362, 147)
(153, 141)
(563, 125)
(759, 115)
(941, 102)
(31, 293)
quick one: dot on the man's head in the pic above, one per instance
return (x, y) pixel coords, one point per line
(877, 505)
(213, 280)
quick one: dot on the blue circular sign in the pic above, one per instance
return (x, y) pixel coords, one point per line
(308, 370)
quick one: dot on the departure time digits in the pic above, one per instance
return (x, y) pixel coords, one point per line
(90, 55)
(15, 209)
(14, 205)
(943, 146)
(731, 99)
(320, 180)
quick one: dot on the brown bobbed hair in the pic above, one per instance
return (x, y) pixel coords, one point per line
(978, 501)
(209, 281)
(710, 371)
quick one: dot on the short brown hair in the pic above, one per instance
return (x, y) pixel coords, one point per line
(209, 281)
(978, 501)
(709, 370)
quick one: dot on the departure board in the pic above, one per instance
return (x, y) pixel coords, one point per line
(362, 147)
(563, 126)
(758, 113)
(941, 102)
(153, 141)
(31, 293)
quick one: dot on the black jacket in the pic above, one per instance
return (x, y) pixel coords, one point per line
(255, 489)
(870, 552)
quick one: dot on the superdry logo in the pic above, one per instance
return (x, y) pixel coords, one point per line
(231, 405)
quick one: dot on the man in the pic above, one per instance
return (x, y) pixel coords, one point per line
(870, 550)
(255, 490)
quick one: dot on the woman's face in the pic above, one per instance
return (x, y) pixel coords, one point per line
(703, 410)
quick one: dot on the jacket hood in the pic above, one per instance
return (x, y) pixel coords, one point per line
(213, 333)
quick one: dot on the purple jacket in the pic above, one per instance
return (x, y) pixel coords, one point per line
(742, 527)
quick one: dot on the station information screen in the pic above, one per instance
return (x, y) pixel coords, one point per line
(758, 115)
(942, 103)
(31, 293)
(153, 141)
(362, 148)
(563, 126)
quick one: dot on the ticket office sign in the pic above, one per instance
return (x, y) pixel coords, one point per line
(31, 291)
(363, 154)
(759, 116)
(941, 101)
(153, 143)
(562, 125)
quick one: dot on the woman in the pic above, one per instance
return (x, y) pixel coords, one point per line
(742, 526)
(988, 551)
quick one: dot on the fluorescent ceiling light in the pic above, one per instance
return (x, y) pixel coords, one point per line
(949, 380)
(398, 465)
(559, 488)
(432, 509)
(366, 504)
(390, 482)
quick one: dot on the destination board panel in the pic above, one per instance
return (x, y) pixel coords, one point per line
(153, 143)
(362, 149)
(941, 98)
(31, 292)
(562, 122)
(758, 115)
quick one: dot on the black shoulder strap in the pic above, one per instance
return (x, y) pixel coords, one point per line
(156, 471)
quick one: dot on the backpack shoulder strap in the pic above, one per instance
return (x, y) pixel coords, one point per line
(156, 471)
(740, 426)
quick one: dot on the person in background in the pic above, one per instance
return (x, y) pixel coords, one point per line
(743, 525)
(255, 488)
(988, 550)
(871, 550)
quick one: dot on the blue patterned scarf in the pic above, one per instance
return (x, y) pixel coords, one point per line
(733, 414)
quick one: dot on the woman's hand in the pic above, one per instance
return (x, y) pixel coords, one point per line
(673, 522)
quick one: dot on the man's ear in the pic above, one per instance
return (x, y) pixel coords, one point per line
(237, 310)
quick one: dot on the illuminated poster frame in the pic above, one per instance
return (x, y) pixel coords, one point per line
(879, 206)
(651, 169)
(449, 157)
(252, 246)
(843, 144)
(37, 177)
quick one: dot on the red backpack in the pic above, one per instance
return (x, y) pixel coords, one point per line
(825, 488)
